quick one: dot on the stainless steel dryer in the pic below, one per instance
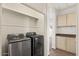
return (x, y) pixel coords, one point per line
(37, 44)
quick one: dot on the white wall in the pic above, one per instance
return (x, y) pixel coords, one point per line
(51, 24)
(0, 31)
(42, 6)
(20, 8)
(66, 10)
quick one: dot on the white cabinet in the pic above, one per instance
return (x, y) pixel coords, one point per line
(61, 20)
(66, 25)
(58, 42)
(71, 19)
(66, 43)
(71, 44)
(61, 42)
(67, 19)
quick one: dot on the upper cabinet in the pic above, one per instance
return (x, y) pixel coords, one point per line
(67, 19)
(66, 24)
(71, 19)
(61, 20)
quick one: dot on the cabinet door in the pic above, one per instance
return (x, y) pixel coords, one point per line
(71, 19)
(61, 42)
(58, 42)
(71, 45)
(61, 20)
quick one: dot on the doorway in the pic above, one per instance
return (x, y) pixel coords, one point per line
(65, 32)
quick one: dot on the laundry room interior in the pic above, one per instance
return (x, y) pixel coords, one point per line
(14, 22)
(39, 29)
(66, 30)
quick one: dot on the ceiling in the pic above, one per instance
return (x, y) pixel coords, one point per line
(61, 6)
(42, 6)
